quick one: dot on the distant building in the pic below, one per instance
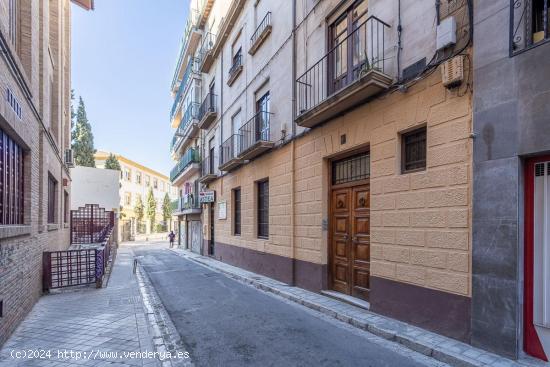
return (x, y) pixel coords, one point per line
(135, 181)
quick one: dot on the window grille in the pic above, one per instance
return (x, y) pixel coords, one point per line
(351, 169)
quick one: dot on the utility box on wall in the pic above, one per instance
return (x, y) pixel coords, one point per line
(452, 72)
(446, 33)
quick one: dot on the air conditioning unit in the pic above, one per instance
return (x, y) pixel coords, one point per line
(69, 158)
(452, 72)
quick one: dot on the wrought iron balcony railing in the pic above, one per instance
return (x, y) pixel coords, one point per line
(256, 130)
(207, 44)
(191, 114)
(208, 105)
(236, 67)
(208, 166)
(260, 33)
(530, 24)
(361, 52)
(189, 157)
(188, 201)
(230, 149)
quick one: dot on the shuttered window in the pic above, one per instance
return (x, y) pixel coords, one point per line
(413, 151)
(263, 209)
(11, 181)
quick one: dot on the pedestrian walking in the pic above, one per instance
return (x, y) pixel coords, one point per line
(171, 237)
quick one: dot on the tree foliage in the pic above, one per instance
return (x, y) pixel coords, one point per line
(139, 209)
(151, 209)
(82, 138)
(166, 208)
(112, 162)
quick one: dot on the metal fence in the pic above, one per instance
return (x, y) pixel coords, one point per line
(208, 105)
(255, 130)
(266, 22)
(230, 148)
(529, 24)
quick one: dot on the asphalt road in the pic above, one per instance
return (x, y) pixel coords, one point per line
(226, 323)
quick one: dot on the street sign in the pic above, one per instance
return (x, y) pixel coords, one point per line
(207, 196)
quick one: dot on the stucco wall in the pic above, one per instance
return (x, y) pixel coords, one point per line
(95, 186)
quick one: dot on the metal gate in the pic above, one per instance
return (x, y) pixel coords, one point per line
(89, 224)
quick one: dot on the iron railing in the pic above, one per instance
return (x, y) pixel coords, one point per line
(359, 53)
(191, 113)
(192, 67)
(188, 201)
(237, 63)
(230, 149)
(207, 44)
(529, 24)
(191, 24)
(207, 166)
(255, 130)
(266, 22)
(90, 224)
(189, 157)
(208, 105)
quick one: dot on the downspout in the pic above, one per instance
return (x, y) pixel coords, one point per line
(399, 30)
(293, 147)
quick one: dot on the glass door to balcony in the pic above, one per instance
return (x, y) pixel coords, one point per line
(262, 119)
(348, 46)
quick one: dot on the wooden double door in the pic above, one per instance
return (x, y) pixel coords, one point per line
(350, 240)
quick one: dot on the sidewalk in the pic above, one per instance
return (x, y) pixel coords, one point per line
(91, 321)
(444, 349)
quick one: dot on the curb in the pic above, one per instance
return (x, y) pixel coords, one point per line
(164, 333)
(443, 349)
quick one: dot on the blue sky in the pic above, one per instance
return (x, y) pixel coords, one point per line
(123, 58)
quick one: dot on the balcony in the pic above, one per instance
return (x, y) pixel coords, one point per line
(188, 204)
(255, 137)
(188, 165)
(260, 34)
(349, 74)
(530, 25)
(205, 9)
(189, 43)
(208, 170)
(236, 68)
(191, 70)
(206, 51)
(187, 128)
(229, 151)
(207, 111)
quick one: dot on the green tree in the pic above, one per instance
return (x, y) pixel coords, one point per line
(138, 209)
(82, 138)
(73, 114)
(151, 209)
(166, 208)
(112, 162)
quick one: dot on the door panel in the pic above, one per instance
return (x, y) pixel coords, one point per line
(340, 241)
(361, 241)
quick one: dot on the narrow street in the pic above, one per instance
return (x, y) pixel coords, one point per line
(226, 323)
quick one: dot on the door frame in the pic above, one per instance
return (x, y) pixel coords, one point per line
(331, 187)
(531, 341)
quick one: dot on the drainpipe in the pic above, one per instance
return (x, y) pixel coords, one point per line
(293, 147)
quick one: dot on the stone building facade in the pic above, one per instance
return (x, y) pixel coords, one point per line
(35, 129)
(336, 158)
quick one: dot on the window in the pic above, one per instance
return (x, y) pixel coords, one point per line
(262, 122)
(11, 181)
(237, 211)
(413, 151)
(66, 207)
(128, 198)
(263, 209)
(127, 174)
(541, 11)
(138, 178)
(155, 183)
(13, 19)
(147, 180)
(52, 193)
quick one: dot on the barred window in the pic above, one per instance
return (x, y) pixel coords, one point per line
(263, 209)
(237, 212)
(413, 151)
(11, 181)
(52, 193)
